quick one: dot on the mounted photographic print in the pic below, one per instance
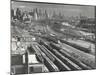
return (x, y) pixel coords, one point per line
(52, 37)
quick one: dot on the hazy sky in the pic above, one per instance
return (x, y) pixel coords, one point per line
(67, 10)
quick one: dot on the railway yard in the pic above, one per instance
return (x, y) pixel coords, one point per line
(42, 47)
(52, 38)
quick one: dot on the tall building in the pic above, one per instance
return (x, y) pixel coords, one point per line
(36, 14)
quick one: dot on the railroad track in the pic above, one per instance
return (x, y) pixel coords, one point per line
(86, 58)
(63, 53)
(57, 59)
(46, 61)
(62, 66)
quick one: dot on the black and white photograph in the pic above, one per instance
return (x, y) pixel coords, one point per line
(52, 37)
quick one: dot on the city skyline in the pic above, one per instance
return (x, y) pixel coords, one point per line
(66, 10)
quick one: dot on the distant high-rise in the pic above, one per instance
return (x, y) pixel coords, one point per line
(36, 14)
(46, 14)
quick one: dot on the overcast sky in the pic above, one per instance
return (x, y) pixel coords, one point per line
(67, 10)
